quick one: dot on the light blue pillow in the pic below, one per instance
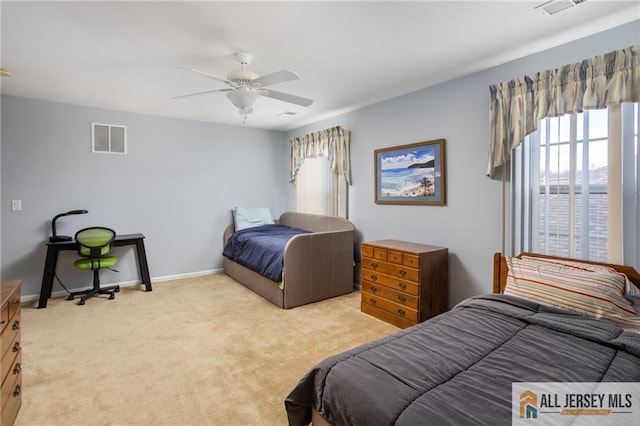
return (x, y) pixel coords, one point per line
(251, 217)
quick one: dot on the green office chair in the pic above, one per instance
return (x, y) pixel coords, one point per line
(94, 247)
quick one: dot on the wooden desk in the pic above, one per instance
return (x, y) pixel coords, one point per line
(52, 259)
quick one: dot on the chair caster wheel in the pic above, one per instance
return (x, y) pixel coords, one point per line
(70, 297)
(81, 302)
(112, 296)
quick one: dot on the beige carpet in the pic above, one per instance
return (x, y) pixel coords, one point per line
(198, 351)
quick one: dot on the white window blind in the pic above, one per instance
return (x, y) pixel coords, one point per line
(574, 187)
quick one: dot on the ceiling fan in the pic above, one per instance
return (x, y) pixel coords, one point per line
(246, 86)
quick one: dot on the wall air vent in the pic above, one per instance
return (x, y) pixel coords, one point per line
(554, 6)
(108, 138)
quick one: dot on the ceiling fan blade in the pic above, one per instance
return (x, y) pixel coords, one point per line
(275, 78)
(206, 74)
(286, 97)
(201, 93)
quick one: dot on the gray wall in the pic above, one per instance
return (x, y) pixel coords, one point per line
(176, 185)
(180, 178)
(470, 224)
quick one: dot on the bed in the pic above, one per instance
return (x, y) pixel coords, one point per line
(458, 368)
(316, 265)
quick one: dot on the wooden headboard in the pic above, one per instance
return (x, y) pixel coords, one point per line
(500, 269)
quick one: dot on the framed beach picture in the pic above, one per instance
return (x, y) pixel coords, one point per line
(411, 174)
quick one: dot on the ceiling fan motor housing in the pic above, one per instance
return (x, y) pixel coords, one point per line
(242, 77)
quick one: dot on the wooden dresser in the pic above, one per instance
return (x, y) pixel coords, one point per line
(10, 390)
(404, 283)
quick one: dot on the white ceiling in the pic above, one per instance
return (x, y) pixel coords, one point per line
(126, 55)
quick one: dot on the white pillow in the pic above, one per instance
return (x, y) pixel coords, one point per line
(244, 218)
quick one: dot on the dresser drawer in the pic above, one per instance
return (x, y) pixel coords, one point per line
(391, 282)
(11, 351)
(394, 308)
(9, 334)
(394, 257)
(385, 316)
(380, 254)
(399, 271)
(391, 294)
(14, 303)
(11, 362)
(11, 394)
(411, 260)
(4, 317)
(367, 251)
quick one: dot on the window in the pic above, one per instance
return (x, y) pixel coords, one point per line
(321, 170)
(574, 187)
(108, 138)
(319, 189)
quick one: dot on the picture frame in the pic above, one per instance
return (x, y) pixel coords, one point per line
(411, 174)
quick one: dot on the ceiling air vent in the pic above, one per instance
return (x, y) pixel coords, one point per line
(554, 6)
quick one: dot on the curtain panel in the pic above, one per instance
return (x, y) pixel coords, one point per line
(331, 143)
(516, 106)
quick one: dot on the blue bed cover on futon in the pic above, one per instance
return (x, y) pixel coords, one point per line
(261, 248)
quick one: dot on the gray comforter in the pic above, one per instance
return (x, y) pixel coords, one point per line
(457, 368)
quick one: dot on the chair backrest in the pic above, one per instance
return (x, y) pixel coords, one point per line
(95, 241)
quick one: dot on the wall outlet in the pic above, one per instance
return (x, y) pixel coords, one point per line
(16, 205)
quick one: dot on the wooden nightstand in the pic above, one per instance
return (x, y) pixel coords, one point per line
(404, 283)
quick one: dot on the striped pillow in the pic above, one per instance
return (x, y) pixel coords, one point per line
(630, 288)
(597, 294)
(571, 264)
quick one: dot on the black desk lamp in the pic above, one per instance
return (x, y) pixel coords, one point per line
(56, 238)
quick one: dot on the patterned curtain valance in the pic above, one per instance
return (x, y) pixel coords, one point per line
(516, 106)
(331, 143)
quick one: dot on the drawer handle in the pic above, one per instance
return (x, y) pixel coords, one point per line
(402, 272)
(403, 286)
(17, 391)
(374, 265)
(16, 325)
(16, 347)
(17, 368)
(372, 301)
(373, 289)
(2, 322)
(401, 312)
(374, 277)
(402, 298)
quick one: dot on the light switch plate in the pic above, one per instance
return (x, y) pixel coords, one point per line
(16, 205)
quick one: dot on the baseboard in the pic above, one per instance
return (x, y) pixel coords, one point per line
(154, 280)
(187, 275)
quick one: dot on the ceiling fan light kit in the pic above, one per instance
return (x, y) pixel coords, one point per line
(246, 85)
(243, 99)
